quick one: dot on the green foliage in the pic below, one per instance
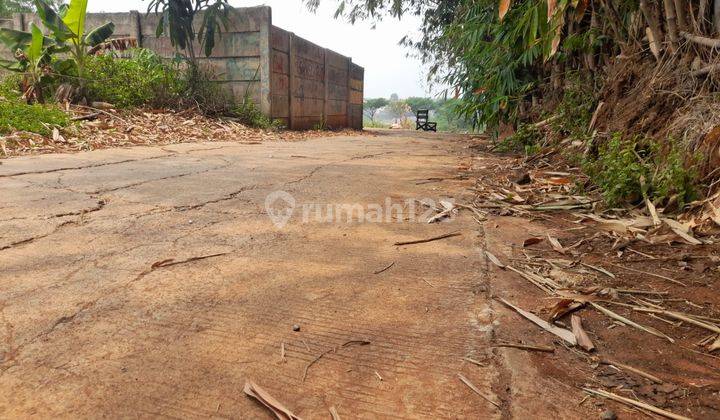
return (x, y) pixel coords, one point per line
(249, 114)
(448, 119)
(525, 139)
(8, 7)
(576, 108)
(142, 78)
(675, 178)
(10, 87)
(34, 54)
(498, 65)
(626, 170)
(67, 24)
(416, 103)
(398, 108)
(177, 19)
(16, 115)
(619, 170)
(208, 96)
(371, 107)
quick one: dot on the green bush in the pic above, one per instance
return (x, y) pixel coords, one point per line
(141, 79)
(16, 115)
(249, 114)
(525, 139)
(576, 109)
(618, 170)
(627, 170)
(10, 87)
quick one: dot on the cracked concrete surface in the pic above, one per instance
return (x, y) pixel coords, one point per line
(150, 282)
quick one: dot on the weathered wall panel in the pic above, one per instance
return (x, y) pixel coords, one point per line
(242, 44)
(355, 108)
(313, 86)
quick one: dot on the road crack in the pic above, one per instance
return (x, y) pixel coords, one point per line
(226, 197)
(77, 168)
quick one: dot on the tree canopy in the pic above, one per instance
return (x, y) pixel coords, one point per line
(502, 55)
(8, 7)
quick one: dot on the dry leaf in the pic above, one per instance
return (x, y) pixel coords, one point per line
(503, 8)
(268, 401)
(682, 231)
(557, 246)
(582, 338)
(653, 212)
(494, 260)
(559, 181)
(564, 307)
(566, 335)
(715, 345)
(531, 241)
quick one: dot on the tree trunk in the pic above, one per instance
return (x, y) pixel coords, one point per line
(671, 23)
(654, 30)
(700, 19)
(681, 13)
(616, 24)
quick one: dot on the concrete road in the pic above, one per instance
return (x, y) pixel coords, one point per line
(153, 282)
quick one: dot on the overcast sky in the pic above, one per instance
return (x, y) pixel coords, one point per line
(387, 68)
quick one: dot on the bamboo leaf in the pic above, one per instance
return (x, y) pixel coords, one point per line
(503, 8)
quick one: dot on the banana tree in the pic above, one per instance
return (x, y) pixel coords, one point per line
(178, 17)
(67, 25)
(34, 55)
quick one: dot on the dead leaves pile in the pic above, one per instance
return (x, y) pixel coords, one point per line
(532, 193)
(105, 128)
(573, 287)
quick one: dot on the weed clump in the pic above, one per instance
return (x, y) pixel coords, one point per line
(17, 115)
(526, 139)
(249, 114)
(629, 170)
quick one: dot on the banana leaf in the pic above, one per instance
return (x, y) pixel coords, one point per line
(15, 66)
(53, 21)
(35, 51)
(99, 34)
(75, 18)
(15, 40)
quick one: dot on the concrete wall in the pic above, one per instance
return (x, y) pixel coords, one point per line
(290, 78)
(313, 86)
